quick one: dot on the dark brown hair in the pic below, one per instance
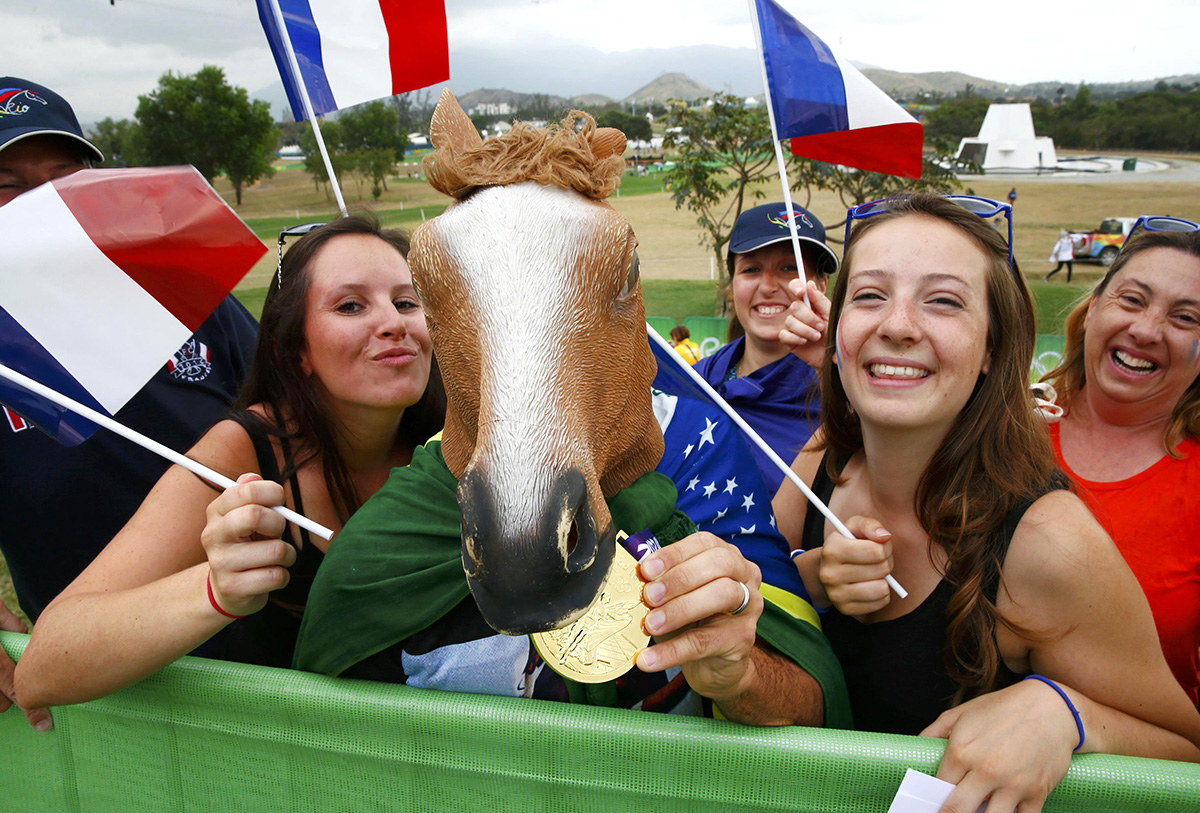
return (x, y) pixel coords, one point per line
(277, 380)
(1070, 376)
(995, 456)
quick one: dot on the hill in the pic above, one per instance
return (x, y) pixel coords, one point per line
(669, 86)
(597, 78)
(945, 83)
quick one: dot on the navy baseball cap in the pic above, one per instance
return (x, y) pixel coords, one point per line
(28, 109)
(767, 224)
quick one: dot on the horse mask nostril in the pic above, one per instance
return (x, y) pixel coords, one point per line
(582, 537)
(532, 576)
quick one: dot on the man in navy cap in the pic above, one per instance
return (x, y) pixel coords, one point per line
(776, 392)
(59, 506)
(40, 139)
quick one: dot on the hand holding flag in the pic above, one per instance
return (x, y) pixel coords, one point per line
(676, 376)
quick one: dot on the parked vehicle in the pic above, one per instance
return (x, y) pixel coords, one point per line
(1102, 244)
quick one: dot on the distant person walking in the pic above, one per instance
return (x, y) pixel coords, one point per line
(1064, 253)
(1012, 196)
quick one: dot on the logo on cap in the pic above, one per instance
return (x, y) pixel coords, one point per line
(781, 219)
(14, 101)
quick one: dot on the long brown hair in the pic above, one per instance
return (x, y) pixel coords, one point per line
(277, 380)
(1070, 376)
(995, 456)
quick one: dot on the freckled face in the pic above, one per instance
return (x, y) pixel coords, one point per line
(367, 343)
(32, 162)
(760, 292)
(1142, 334)
(912, 336)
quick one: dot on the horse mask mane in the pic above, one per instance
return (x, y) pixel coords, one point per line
(530, 286)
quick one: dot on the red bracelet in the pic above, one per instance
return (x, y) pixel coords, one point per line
(213, 599)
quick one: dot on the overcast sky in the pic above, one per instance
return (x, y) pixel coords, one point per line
(101, 56)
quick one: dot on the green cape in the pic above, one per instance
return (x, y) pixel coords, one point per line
(396, 568)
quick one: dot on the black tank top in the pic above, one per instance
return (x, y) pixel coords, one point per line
(268, 637)
(894, 669)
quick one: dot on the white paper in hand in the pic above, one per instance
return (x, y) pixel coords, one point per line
(921, 793)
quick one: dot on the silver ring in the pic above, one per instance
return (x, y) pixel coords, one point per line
(745, 599)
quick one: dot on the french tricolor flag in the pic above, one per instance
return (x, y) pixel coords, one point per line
(104, 275)
(829, 110)
(354, 51)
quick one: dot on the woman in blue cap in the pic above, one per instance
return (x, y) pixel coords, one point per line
(773, 389)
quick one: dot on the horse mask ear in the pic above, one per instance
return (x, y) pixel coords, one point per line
(607, 141)
(452, 134)
(450, 127)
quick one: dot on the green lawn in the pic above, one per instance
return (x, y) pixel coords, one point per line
(1053, 300)
(267, 228)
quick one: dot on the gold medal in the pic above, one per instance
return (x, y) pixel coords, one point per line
(603, 643)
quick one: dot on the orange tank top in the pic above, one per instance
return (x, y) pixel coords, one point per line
(1154, 519)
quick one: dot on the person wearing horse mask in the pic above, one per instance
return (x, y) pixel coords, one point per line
(494, 562)
(343, 387)
(775, 390)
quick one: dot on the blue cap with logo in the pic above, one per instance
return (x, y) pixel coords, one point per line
(767, 224)
(28, 109)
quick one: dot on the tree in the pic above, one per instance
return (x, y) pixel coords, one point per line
(635, 128)
(957, 118)
(371, 134)
(314, 164)
(725, 155)
(539, 106)
(854, 186)
(201, 120)
(117, 140)
(413, 110)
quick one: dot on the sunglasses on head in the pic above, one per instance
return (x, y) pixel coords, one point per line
(1160, 223)
(984, 207)
(293, 231)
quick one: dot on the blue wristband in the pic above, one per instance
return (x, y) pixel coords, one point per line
(1067, 700)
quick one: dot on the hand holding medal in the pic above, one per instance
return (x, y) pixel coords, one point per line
(603, 643)
(700, 616)
(701, 586)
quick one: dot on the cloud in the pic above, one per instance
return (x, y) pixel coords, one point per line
(101, 56)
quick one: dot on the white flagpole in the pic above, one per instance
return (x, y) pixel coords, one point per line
(200, 470)
(308, 108)
(755, 438)
(779, 162)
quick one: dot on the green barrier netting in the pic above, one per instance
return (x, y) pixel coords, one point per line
(662, 324)
(209, 735)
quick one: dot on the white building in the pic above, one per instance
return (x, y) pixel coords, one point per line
(491, 109)
(1006, 142)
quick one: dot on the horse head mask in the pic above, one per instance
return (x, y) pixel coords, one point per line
(530, 286)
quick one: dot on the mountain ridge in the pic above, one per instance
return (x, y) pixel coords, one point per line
(593, 75)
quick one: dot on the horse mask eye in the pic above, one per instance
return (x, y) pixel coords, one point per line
(631, 279)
